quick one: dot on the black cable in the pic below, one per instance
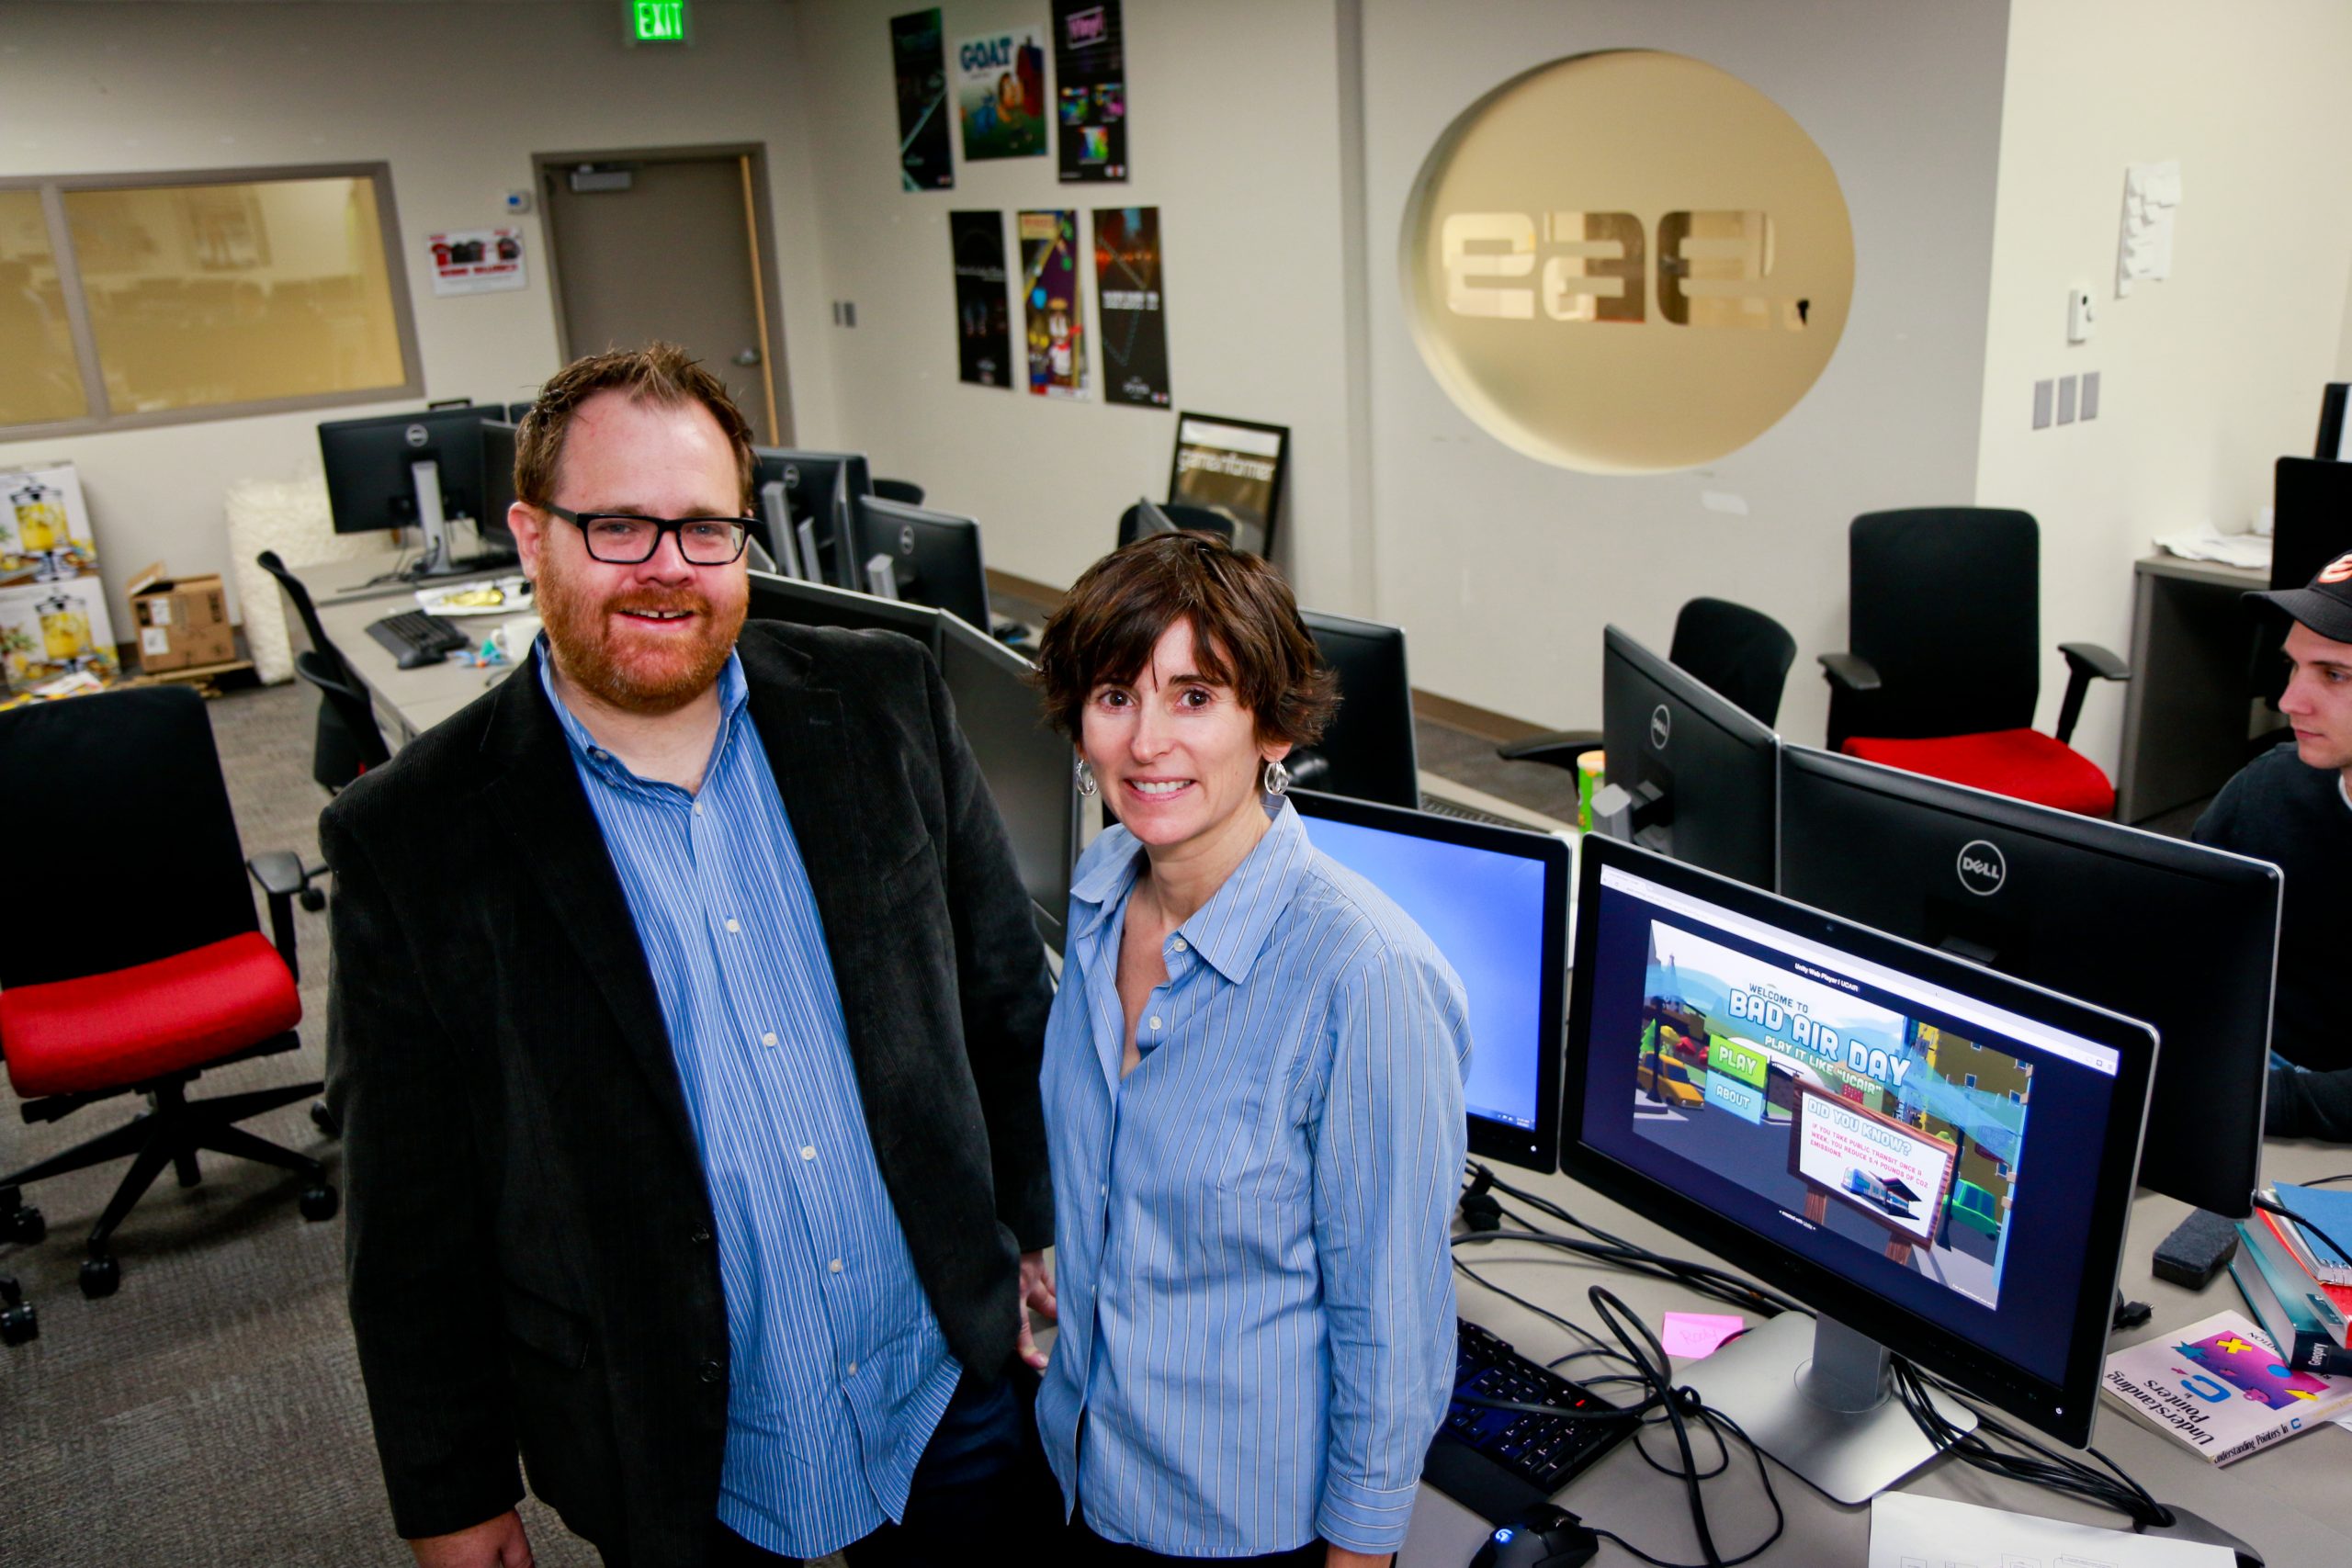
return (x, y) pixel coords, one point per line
(2328, 1180)
(2053, 1470)
(2262, 1199)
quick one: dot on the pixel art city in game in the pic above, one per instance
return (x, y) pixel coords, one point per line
(1885, 1130)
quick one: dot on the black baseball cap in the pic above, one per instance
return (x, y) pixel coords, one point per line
(2326, 605)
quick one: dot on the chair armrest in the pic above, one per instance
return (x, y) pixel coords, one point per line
(283, 878)
(1849, 672)
(1560, 749)
(2085, 659)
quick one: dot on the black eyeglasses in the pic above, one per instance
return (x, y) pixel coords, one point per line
(624, 538)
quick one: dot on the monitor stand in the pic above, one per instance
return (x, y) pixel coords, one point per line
(1816, 1397)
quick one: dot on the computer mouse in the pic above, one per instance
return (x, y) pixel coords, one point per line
(1545, 1536)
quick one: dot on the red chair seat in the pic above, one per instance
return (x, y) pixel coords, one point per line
(128, 1025)
(2024, 764)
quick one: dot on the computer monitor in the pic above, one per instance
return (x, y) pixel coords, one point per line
(820, 487)
(1027, 764)
(1703, 774)
(497, 485)
(1369, 750)
(1935, 1158)
(1495, 900)
(2333, 427)
(2184, 936)
(779, 598)
(406, 470)
(933, 558)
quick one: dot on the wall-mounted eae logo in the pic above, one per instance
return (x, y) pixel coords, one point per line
(1983, 867)
(1626, 262)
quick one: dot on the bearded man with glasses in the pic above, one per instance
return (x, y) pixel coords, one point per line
(684, 1028)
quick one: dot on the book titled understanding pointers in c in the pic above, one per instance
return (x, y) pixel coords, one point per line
(2221, 1388)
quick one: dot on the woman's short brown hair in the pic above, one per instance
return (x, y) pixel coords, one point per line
(1247, 634)
(662, 374)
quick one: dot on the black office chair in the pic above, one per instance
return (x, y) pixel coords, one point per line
(1191, 519)
(347, 741)
(1743, 654)
(1944, 669)
(904, 491)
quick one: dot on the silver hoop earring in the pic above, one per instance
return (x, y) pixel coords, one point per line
(1086, 785)
(1275, 779)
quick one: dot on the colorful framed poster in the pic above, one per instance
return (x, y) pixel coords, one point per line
(1057, 311)
(476, 261)
(1127, 287)
(1000, 94)
(983, 328)
(1235, 467)
(919, 55)
(1090, 90)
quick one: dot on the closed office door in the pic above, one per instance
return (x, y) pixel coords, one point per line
(649, 246)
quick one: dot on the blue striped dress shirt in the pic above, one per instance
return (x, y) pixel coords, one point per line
(1250, 1228)
(839, 1372)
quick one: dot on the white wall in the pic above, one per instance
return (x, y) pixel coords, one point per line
(2207, 377)
(455, 98)
(1236, 119)
(1503, 568)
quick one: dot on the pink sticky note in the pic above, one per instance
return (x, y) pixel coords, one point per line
(1690, 1335)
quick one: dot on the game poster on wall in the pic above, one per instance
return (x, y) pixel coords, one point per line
(917, 51)
(983, 328)
(1000, 94)
(1127, 285)
(1090, 88)
(1049, 279)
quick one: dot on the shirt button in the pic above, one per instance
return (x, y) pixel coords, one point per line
(711, 1371)
(1104, 1191)
(808, 1151)
(769, 1038)
(700, 1236)
(1155, 1022)
(853, 1370)
(835, 1266)
(733, 927)
(698, 807)
(1180, 944)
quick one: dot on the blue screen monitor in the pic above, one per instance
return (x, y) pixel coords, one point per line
(1495, 900)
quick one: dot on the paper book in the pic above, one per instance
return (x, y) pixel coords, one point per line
(2332, 1211)
(2306, 1302)
(2312, 1352)
(2219, 1387)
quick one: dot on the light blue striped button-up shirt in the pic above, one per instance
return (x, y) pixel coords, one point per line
(839, 1372)
(1250, 1228)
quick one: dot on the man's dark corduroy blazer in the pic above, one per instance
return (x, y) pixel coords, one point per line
(529, 1235)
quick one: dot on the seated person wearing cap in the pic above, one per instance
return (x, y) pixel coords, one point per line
(2293, 807)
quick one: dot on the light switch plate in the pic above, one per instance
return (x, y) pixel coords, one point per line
(2090, 394)
(2043, 391)
(2066, 400)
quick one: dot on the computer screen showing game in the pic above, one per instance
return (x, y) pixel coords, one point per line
(1937, 1158)
(1369, 749)
(1495, 901)
(1703, 774)
(2182, 935)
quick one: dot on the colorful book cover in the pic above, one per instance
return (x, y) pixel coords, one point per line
(2332, 1211)
(1128, 285)
(919, 57)
(1000, 94)
(1089, 79)
(2219, 1387)
(983, 329)
(1057, 314)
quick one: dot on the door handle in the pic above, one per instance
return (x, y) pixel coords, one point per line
(747, 357)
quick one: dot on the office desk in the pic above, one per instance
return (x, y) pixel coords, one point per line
(2185, 707)
(407, 702)
(2290, 1501)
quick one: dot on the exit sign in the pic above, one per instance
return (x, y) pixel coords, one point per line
(657, 21)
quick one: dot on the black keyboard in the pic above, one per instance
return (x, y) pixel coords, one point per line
(1498, 1464)
(414, 638)
(1439, 805)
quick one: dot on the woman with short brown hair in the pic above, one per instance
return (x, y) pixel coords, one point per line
(1254, 1099)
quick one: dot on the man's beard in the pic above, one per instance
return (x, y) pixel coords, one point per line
(653, 672)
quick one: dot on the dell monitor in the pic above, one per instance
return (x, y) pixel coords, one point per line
(1703, 774)
(779, 598)
(1495, 901)
(497, 485)
(1935, 1158)
(1027, 764)
(923, 557)
(2184, 936)
(406, 470)
(819, 488)
(1369, 749)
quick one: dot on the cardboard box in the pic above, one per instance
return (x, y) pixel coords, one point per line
(48, 629)
(181, 621)
(44, 525)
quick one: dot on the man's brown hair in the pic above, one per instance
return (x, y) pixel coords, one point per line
(1247, 634)
(660, 374)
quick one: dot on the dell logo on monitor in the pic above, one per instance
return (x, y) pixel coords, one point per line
(416, 436)
(1661, 726)
(906, 539)
(1982, 868)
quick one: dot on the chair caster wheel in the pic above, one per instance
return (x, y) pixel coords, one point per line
(310, 898)
(25, 1224)
(321, 1203)
(18, 1323)
(100, 1277)
(323, 1119)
